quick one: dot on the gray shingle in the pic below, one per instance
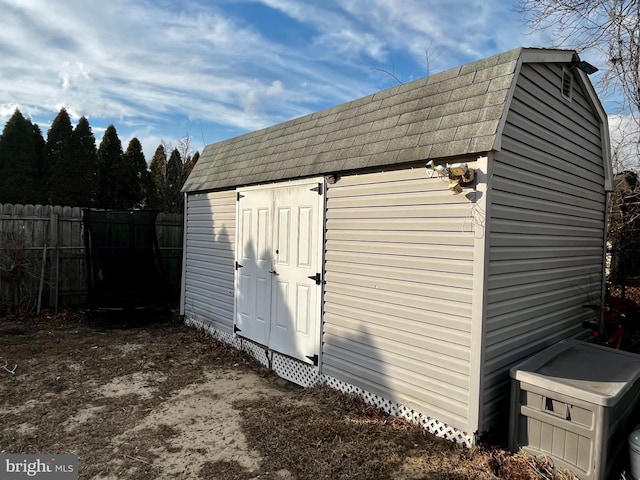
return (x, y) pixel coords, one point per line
(376, 115)
(490, 113)
(413, 117)
(496, 71)
(395, 132)
(316, 138)
(482, 144)
(356, 163)
(435, 100)
(452, 113)
(475, 91)
(359, 130)
(383, 159)
(330, 127)
(326, 119)
(367, 138)
(385, 123)
(411, 154)
(339, 134)
(375, 148)
(476, 129)
(401, 143)
(457, 119)
(479, 65)
(438, 136)
(449, 149)
(368, 107)
(424, 126)
(350, 152)
(342, 143)
(445, 109)
(400, 108)
(461, 81)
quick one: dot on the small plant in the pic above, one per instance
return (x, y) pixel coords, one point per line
(18, 274)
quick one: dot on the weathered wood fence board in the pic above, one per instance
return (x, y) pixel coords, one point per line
(43, 260)
(169, 229)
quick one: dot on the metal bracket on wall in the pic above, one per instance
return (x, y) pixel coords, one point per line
(314, 359)
(238, 265)
(317, 189)
(317, 278)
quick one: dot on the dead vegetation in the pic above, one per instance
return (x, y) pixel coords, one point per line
(164, 400)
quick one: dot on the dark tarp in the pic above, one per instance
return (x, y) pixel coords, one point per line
(124, 270)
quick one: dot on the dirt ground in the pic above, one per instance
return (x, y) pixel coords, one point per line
(163, 400)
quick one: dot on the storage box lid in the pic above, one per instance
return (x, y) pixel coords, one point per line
(582, 370)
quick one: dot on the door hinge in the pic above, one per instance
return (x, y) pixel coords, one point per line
(239, 196)
(317, 189)
(236, 329)
(317, 278)
(313, 358)
(238, 265)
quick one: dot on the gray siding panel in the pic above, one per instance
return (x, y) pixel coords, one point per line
(210, 247)
(546, 228)
(399, 279)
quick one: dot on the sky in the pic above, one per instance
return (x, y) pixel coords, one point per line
(207, 70)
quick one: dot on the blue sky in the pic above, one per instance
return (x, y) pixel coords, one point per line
(212, 69)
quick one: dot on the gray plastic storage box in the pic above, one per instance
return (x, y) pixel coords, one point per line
(576, 403)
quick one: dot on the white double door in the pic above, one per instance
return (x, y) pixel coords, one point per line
(279, 267)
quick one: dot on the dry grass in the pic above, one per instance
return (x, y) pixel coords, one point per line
(62, 365)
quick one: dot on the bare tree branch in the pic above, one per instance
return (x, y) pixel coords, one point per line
(378, 68)
(429, 58)
(610, 26)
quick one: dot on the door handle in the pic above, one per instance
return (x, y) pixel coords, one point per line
(274, 272)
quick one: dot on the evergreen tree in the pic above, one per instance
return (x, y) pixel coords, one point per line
(19, 162)
(39, 144)
(111, 171)
(136, 175)
(174, 200)
(59, 163)
(190, 163)
(84, 161)
(156, 180)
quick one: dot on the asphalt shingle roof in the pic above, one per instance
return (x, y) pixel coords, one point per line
(455, 112)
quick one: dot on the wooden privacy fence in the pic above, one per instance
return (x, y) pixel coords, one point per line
(43, 259)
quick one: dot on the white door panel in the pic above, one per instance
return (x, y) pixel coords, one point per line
(290, 321)
(253, 265)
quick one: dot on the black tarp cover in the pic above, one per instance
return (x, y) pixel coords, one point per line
(124, 268)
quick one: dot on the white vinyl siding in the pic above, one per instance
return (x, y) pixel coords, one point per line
(546, 227)
(399, 279)
(209, 262)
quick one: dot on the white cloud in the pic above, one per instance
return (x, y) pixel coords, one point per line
(158, 69)
(259, 97)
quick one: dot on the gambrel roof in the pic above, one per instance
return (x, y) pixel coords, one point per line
(456, 112)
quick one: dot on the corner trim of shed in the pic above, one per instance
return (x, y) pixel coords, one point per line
(479, 300)
(604, 128)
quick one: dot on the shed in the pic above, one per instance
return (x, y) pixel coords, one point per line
(324, 247)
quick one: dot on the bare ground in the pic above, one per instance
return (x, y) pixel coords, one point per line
(162, 400)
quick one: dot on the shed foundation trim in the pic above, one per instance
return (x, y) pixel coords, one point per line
(307, 375)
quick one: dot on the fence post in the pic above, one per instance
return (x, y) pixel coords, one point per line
(55, 260)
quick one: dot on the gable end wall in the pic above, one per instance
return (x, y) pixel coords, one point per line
(546, 228)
